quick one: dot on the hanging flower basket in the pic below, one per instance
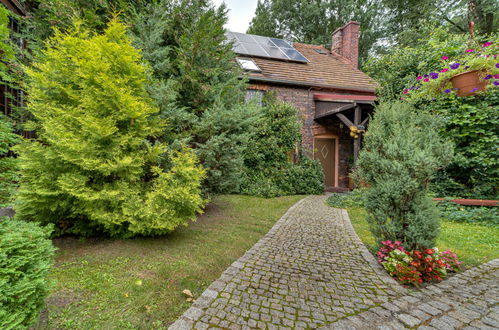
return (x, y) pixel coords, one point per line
(468, 83)
(462, 76)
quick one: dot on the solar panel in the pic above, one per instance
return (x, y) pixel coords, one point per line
(249, 44)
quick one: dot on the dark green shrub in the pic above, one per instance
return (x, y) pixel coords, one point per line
(303, 178)
(26, 255)
(269, 171)
(401, 153)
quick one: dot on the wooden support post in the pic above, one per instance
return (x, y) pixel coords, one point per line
(356, 142)
(344, 119)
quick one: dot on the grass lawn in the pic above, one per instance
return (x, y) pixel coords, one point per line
(138, 283)
(473, 243)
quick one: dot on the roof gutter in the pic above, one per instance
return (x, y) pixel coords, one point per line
(303, 84)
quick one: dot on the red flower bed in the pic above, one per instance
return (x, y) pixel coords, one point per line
(417, 267)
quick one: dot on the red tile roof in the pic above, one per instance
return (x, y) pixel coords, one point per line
(328, 70)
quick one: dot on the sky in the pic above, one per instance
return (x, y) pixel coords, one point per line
(240, 13)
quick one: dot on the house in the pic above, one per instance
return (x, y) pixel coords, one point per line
(335, 98)
(11, 97)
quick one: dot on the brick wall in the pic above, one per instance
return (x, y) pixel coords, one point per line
(303, 99)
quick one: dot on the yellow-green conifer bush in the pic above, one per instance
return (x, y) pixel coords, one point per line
(96, 165)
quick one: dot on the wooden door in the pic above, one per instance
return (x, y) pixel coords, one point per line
(325, 151)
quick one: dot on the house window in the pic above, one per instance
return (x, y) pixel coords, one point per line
(254, 95)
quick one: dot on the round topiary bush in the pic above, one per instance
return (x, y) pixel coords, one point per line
(26, 255)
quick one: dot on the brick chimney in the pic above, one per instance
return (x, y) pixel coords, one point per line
(346, 42)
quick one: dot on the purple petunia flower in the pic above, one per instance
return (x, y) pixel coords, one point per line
(433, 99)
(447, 91)
(418, 87)
(496, 83)
(474, 90)
(412, 88)
(426, 76)
(434, 75)
(455, 66)
(467, 67)
(497, 65)
(487, 77)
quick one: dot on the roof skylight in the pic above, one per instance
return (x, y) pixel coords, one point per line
(248, 64)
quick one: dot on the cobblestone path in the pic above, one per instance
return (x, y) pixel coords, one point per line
(309, 270)
(469, 300)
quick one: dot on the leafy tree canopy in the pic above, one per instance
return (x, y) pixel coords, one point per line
(314, 21)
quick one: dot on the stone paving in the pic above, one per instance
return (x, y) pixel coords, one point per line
(311, 271)
(469, 300)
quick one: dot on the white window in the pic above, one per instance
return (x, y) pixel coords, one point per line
(248, 64)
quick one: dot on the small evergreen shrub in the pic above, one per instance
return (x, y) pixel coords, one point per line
(269, 171)
(402, 151)
(26, 255)
(97, 166)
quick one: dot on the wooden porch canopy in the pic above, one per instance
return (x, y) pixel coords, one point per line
(336, 105)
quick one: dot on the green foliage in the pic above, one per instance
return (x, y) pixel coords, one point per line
(6, 51)
(96, 166)
(26, 255)
(185, 43)
(470, 214)
(347, 200)
(8, 165)
(48, 15)
(402, 151)
(471, 123)
(314, 21)
(269, 171)
(399, 68)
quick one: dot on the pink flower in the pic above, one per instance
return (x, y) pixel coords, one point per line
(426, 80)
(469, 50)
(419, 78)
(487, 44)
(406, 91)
(496, 76)
(444, 70)
(445, 58)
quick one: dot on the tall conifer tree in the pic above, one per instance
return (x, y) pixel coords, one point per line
(96, 165)
(186, 45)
